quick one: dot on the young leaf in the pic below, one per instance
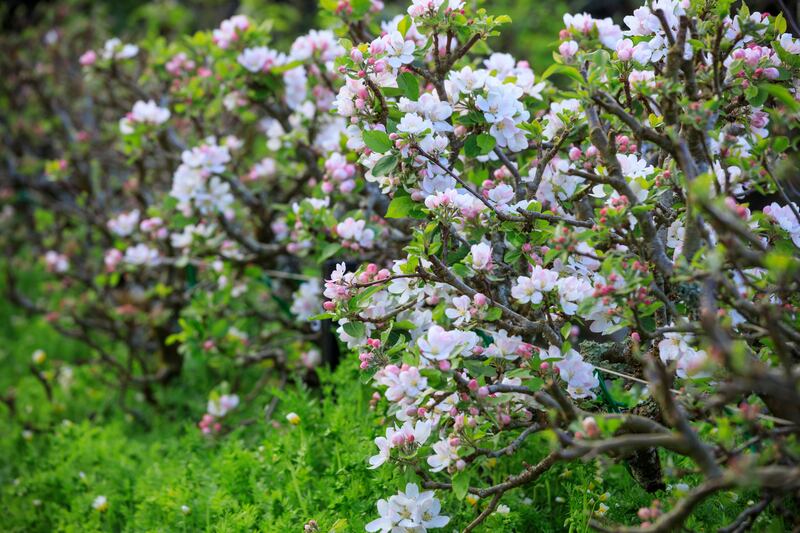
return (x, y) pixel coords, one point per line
(385, 165)
(409, 84)
(486, 143)
(377, 141)
(460, 484)
(401, 207)
(354, 329)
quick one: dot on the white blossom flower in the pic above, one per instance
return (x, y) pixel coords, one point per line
(460, 313)
(481, 255)
(440, 344)
(408, 512)
(572, 290)
(116, 49)
(307, 300)
(504, 346)
(444, 454)
(530, 289)
(785, 217)
(222, 405)
(260, 59)
(141, 254)
(414, 124)
(400, 51)
(125, 223)
(100, 504)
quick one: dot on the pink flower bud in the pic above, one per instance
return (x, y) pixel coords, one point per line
(444, 365)
(422, 411)
(483, 392)
(590, 427)
(591, 151)
(329, 305)
(88, 58)
(356, 55)
(460, 465)
(574, 153)
(479, 299)
(635, 337)
(473, 385)
(568, 49)
(505, 419)
(398, 439)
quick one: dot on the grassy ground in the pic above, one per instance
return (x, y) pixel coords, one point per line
(57, 457)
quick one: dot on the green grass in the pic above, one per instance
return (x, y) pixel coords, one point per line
(55, 458)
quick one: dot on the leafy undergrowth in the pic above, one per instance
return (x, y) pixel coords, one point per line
(159, 473)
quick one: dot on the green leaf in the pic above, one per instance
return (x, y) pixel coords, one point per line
(377, 141)
(781, 93)
(409, 84)
(404, 25)
(339, 525)
(780, 144)
(486, 143)
(286, 67)
(471, 148)
(460, 484)
(566, 70)
(787, 58)
(385, 165)
(458, 254)
(329, 251)
(493, 314)
(401, 206)
(780, 24)
(354, 329)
